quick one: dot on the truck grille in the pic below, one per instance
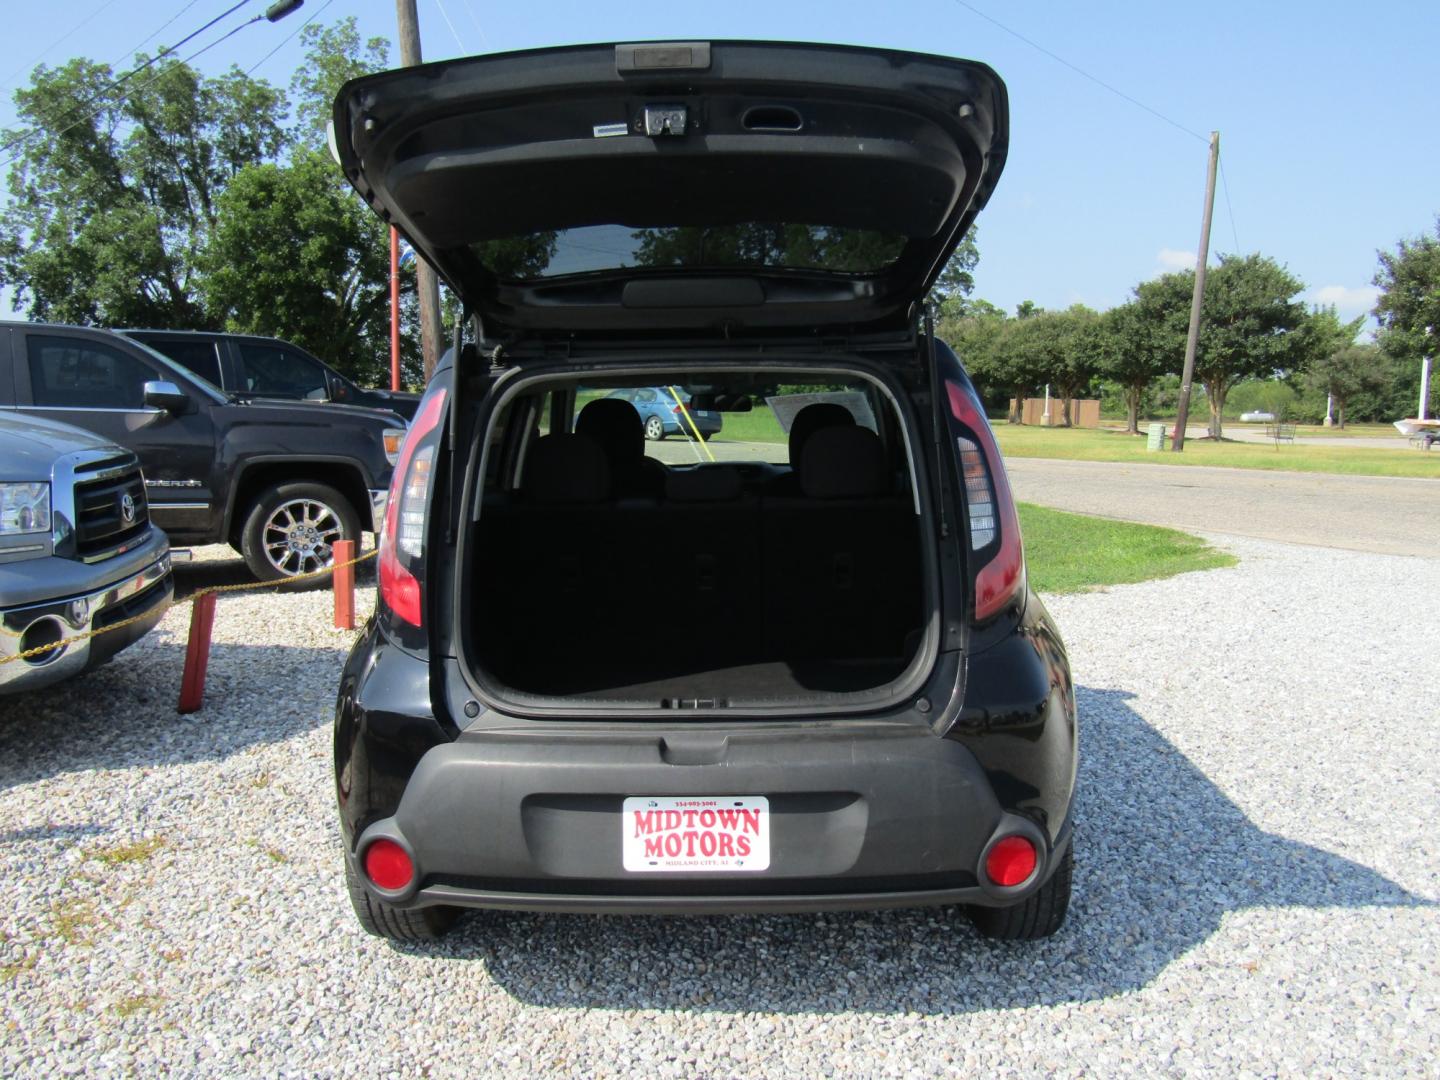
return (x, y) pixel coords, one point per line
(102, 523)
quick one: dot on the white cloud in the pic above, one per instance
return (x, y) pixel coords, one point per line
(1170, 259)
(1348, 301)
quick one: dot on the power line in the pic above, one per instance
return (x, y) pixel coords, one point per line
(1083, 73)
(26, 136)
(57, 42)
(446, 15)
(1225, 187)
(136, 89)
(484, 41)
(163, 27)
(289, 37)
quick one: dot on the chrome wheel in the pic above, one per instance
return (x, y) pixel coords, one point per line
(299, 536)
(654, 429)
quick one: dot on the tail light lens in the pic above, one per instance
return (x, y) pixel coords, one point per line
(388, 865)
(402, 541)
(995, 543)
(1011, 861)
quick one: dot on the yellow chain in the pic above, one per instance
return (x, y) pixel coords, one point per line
(280, 583)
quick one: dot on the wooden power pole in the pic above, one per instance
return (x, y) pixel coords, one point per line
(427, 285)
(1192, 339)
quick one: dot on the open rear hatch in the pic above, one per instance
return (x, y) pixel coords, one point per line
(665, 187)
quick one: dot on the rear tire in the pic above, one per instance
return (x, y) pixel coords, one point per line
(1038, 916)
(392, 923)
(654, 429)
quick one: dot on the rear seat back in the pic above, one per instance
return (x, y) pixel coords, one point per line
(841, 569)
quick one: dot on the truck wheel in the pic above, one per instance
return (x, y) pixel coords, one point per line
(1039, 916)
(392, 923)
(292, 529)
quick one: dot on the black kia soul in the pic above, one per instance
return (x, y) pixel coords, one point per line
(795, 666)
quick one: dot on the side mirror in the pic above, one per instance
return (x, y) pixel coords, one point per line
(166, 396)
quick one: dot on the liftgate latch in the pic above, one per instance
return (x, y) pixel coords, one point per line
(664, 120)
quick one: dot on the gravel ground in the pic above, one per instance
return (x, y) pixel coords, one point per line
(1255, 894)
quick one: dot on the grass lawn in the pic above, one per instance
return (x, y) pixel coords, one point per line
(1072, 553)
(1091, 445)
(757, 425)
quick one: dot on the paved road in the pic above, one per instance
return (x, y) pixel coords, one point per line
(1387, 515)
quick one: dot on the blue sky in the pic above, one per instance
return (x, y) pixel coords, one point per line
(1326, 111)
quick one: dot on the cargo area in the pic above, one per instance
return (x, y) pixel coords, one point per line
(607, 574)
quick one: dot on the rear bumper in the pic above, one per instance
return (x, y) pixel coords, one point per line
(883, 815)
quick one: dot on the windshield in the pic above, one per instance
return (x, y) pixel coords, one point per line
(752, 245)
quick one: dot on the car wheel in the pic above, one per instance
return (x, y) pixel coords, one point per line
(654, 429)
(1038, 916)
(392, 923)
(292, 529)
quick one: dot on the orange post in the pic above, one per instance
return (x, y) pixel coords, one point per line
(343, 581)
(197, 653)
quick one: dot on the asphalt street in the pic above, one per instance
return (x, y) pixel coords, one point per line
(1385, 515)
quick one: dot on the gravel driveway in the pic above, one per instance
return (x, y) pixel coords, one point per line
(1255, 894)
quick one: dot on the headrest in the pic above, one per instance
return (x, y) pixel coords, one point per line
(708, 483)
(616, 426)
(843, 463)
(812, 418)
(566, 469)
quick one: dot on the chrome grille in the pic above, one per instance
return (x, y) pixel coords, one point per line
(110, 510)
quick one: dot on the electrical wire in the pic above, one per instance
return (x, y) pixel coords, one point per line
(57, 43)
(289, 37)
(163, 27)
(27, 135)
(484, 41)
(1083, 73)
(134, 90)
(1225, 188)
(446, 15)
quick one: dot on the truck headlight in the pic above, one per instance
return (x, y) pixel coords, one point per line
(393, 437)
(24, 508)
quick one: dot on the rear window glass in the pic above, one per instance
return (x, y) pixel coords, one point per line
(595, 248)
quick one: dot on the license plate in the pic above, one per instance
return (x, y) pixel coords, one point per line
(717, 833)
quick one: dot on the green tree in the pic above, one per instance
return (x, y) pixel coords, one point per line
(1136, 349)
(1348, 372)
(296, 255)
(1252, 325)
(114, 193)
(334, 55)
(951, 294)
(1409, 305)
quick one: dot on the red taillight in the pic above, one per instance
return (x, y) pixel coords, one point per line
(404, 532)
(991, 506)
(388, 866)
(1011, 861)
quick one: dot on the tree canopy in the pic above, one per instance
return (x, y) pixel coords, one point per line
(1408, 308)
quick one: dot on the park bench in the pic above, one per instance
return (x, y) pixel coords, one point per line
(1280, 433)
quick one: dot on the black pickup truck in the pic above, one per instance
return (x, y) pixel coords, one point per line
(267, 367)
(280, 481)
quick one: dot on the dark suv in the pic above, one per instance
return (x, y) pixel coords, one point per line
(798, 669)
(265, 367)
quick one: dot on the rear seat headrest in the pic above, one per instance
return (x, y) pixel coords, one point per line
(614, 424)
(566, 469)
(813, 418)
(707, 483)
(843, 463)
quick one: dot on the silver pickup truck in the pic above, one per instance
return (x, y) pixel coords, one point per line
(77, 551)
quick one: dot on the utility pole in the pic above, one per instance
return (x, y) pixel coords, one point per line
(427, 285)
(1192, 339)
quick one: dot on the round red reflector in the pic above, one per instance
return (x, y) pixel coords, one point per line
(387, 865)
(1011, 861)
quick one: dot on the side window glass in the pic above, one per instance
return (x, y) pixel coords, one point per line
(73, 373)
(270, 371)
(198, 357)
(646, 395)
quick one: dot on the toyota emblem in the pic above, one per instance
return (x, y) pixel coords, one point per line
(127, 508)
